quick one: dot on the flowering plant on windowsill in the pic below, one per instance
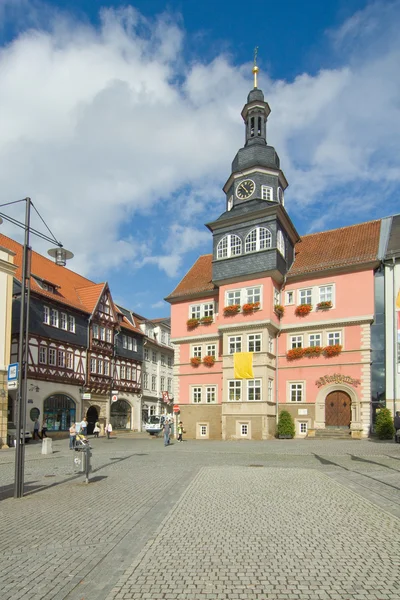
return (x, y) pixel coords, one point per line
(295, 353)
(192, 323)
(313, 351)
(332, 350)
(232, 309)
(195, 361)
(206, 320)
(324, 305)
(303, 310)
(250, 307)
(209, 360)
(279, 309)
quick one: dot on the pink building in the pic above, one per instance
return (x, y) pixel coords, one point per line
(271, 321)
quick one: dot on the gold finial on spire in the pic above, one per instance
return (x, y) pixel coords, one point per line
(255, 68)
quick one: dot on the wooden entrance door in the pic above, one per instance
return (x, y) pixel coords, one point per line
(337, 410)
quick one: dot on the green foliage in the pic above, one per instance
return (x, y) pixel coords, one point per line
(384, 427)
(286, 424)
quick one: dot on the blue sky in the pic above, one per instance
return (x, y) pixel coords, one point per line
(120, 121)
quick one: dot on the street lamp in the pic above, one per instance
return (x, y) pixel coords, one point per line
(61, 255)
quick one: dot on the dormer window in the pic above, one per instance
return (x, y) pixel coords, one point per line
(259, 238)
(230, 203)
(267, 193)
(230, 245)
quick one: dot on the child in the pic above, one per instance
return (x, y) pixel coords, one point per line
(180, 431)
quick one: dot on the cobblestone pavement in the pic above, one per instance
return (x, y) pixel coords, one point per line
(285, 520)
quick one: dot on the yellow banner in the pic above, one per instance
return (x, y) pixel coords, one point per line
(243, 365)
(398, 300)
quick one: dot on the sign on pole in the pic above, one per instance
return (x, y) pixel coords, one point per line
(12, 376)
(114, 397)
(176, 408)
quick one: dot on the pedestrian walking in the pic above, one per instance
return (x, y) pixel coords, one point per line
(36, 427)
(84, 426)
(72, 436)
(44, 429)
(109, 430)
(96, 429)
(180, 431)
(167, 433)
(396, 423)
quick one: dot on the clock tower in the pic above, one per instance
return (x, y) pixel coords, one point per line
(255, 234)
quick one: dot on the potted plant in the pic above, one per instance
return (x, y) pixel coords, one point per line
(209, 360)
(206, 320)
(232, 309)
(192, 323)
(279, 309)
(303, 310)
(384, 427)
(250, 307)
(295, 353)
(286, 429)
(332, 350)
(324, 305)
(313, 351)
(195, 361)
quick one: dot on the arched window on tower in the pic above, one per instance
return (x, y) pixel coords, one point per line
(230, 245)
(258, 238)
(252, 127)
(259, 126)
(280, 242)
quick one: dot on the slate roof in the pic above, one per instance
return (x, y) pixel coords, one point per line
(316, 252)
(72, 289)
(393, 248)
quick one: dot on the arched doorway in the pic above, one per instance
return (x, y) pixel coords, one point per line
(59, 411)
(92, 416)
(337, 409)
(120, 415)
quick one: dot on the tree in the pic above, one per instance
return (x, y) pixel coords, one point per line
(384, 427)
(286, 424)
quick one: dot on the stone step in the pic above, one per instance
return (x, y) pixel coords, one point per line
(343, 434)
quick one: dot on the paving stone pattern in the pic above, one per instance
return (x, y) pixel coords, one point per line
(204, 520)
(255, 533)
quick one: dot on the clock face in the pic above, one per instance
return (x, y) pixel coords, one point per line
(245, 189)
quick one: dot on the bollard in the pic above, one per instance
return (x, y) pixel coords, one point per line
(47, 446)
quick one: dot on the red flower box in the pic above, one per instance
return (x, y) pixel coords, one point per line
(279, 309)
(313, 351)
(232, 309)
(250, 307)
(206, 320)
(195, 361)
(192, 323)
(303, 310)
(332, 350)
(324, 305)
(295, 353)
(209, 360)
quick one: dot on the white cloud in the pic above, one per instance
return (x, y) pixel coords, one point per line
(114, 136)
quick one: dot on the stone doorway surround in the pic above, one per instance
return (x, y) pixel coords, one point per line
(355, 415)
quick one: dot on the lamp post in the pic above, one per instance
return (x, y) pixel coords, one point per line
(61, 256)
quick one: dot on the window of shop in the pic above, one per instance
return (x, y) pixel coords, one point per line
(59, 412)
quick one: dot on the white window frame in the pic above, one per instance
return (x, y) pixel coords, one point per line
(235, 386)
(244, 430)
(230, 203)
(259, 238)
(296, 341)
(277, 296)
(122, 371)
(197, 311)
(61, 359)
(71, 324)
(54, 322)
(170, 361)
(233, 297)
(270, 390)
(146, 354)
(93, 364)
(46, 315)
(247, 295)
(69, 363)
(333, 338)
(267, 193)
(230, 245)
(203, 430)
(296, 391)
(280, 243)
(326, 296)
(305, 296)
(197, 352)
(154, 383)
(42, 355)
(271, 344)
(211, 350)
(211, 394)
(64, 321)
(234, 344)
(162, 383)
(106, 368)
(256, 386)
(52, 357)
(255, 340)
(169, 384)
(289, 297)
(312, 341)
(146, 381)
(300, 424)
(154, 357)
(253, 294)
(196, 394)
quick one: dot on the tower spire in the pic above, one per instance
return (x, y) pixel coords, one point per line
(255, 68)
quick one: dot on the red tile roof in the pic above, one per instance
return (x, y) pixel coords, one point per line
(72, 289)
(344, 247)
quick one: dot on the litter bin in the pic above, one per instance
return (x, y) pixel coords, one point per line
(82, 462)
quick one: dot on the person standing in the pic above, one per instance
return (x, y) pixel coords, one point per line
(72, 436)
(109, 430)
(84, 427)
(96, 429)
(180, 431)
(44, 429)
(167, 432)
(396, 423)
(36, 427)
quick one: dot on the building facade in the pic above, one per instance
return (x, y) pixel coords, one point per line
(7, 270)
(271, 320)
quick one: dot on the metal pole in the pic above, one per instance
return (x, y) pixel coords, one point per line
(22, 360)
(394, 339)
